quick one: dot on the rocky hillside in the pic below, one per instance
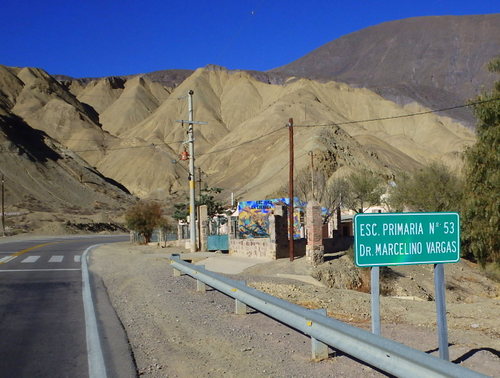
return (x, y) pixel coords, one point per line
(437, 61)
(127, 129)
(42, 175)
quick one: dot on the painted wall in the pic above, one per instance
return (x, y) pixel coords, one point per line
(253, 218)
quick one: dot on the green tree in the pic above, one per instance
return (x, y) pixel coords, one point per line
(207, 197)
(181, 211)
(144, 217)
(364, 189)
(481, 212)
(432, 188)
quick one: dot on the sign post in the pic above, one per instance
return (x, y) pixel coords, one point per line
(439, 294)
(409, 238)
(375, 302)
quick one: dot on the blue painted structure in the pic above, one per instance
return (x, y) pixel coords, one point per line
(218, 242)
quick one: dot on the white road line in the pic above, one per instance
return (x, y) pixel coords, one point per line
(97, 366)
(35, 270)
(6, 259)
(56, 259)
(30, 259)
(78, 258)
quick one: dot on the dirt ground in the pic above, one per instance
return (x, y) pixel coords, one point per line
(175, 331)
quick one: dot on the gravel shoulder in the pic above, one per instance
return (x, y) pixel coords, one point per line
(175, 331)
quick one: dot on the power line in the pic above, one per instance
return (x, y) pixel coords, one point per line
(82, 96)
(295, 158)
(152, 145)
(117, 148)
(401, 115)
(243, 143)
(317, 125)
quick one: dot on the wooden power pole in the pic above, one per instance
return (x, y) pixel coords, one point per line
(311, 154)
(290, 191)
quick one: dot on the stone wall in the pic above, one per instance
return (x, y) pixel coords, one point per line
(338, 243)
(272, 248)
(264, 248)
(314, 249)
(258, 248)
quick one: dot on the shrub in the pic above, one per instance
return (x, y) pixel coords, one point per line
(144, 217)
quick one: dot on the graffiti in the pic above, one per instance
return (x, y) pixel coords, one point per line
(253, 219)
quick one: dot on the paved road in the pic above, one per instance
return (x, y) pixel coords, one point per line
(43, 327)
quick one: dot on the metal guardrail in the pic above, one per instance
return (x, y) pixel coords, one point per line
(387, 355)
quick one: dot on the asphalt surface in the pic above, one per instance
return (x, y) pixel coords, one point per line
(43, 327)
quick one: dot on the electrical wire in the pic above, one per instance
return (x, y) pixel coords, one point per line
(401, 115)
(150, 145)
(295, 158)
(243, 143)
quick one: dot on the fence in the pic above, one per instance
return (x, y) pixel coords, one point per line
(159, 236)
(156, 237)
(217, 226)
(183, 231)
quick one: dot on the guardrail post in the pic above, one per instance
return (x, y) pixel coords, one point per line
(319, 349)
(177, 273)
(200, 285)
(240, 308)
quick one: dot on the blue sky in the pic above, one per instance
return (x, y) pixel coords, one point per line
(93, 38)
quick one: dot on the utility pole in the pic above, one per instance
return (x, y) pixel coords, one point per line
(192, 212)
(312, 174)
(200, 172)
(198, 208)
(3, 205)
(290, 191)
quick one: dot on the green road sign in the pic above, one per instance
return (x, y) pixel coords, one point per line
(406, 238)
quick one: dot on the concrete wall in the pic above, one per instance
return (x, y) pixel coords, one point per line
(272, 248)
(338, 243)
(264, 248)
(258, 248)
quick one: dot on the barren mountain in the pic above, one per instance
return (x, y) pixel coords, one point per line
(42, 176)
(127, 128)
(244, 147)
(437, 61)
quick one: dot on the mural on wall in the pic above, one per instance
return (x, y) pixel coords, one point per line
(253, 218)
